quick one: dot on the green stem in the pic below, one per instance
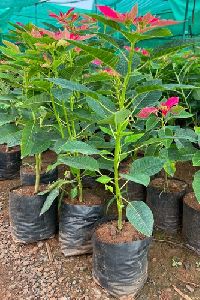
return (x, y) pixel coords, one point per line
(72, 99)
(116, 178)
(80, 186)
(57, 116)
(67, 119)
(127, 77)
(37, 172)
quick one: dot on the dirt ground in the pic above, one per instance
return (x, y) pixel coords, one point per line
(40, 271)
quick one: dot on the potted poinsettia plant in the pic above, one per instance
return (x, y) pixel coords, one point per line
(37, 131)
(25, 202)
(116, 105)
(165, 193)
(58, 59)
(80, 206)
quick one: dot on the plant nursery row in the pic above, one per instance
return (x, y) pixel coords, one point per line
(118, 117)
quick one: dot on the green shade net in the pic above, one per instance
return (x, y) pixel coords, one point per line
(37, 11)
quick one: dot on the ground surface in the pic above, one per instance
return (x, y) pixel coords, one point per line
(40, 271)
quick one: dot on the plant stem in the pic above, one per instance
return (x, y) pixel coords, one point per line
(80, 186)
(127, 77)
(67, 120)
(57, 116)
(116, 178)
(38, 162)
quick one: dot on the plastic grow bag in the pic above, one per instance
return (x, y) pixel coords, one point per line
(10, 164)
(27, 226)
(167, 208)
(76, 226)
(191, 228)
(45, 178)
(121, 269)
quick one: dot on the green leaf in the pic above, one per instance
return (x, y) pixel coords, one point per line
(12, 46)
(140, 216)
(105, 164)
(149, 88)
(109, 203)
(107, 57)
(109, 39)
(170, 167)
(104, 103)
(36, 100)
(49, 200)
(196, 94)
(74, 192)
(152, 122)
(10, 135)
(75, 147)
(178, 86)
(196, 185)
(182, 115)
(81, 162)
(185, 134)
(106, 130)
(106, 21)
(35, 140)
(197, 130)
(83, 60)
(97, 77)
(154, 33)
(171, 47)
(109, 188)
(133, 138)
(6, 118)
(137, 177)
(104, 179)
(73, 86)
(148, 165)
(121, 116)
(196, 159)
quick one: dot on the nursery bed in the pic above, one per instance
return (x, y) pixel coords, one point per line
(39, 271)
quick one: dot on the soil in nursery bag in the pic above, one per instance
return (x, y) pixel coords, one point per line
(27, 226)
(120, 259)
(166, 205)
(77, 223)
(10, 161)
(191, 222)
(27, 175)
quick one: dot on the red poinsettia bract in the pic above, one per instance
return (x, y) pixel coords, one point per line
(164, 108)
(149, 22)
(142, 24)
(62, 16)
(65, 34)
(116, 16)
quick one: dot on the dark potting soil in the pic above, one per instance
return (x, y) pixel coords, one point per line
(108, 233)
(191, 200)
(172, 186)
(28, 190)
(90, 198)
(4, 148)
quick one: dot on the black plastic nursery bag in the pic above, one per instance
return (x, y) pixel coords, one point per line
(76, 227)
